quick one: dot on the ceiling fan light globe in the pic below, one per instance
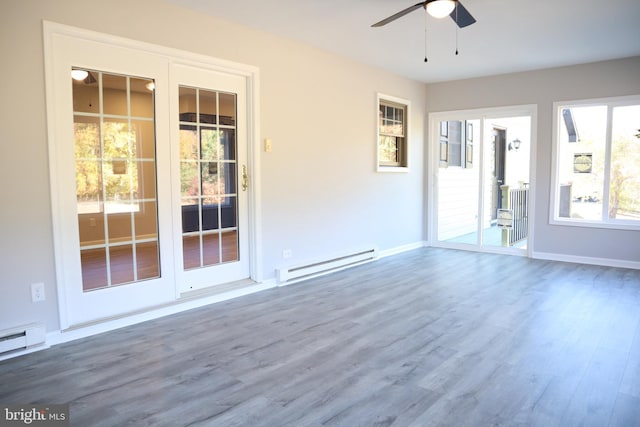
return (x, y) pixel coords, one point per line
(441, 8)
(79, 75)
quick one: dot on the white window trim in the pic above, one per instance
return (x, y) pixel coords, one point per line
(407, 137)
(554, 201)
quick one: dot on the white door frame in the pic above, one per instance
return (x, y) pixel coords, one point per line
(434, 120)
(54, 34)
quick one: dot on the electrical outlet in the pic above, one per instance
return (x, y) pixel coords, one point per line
(287, 253)
(268, 146)
(37, 292)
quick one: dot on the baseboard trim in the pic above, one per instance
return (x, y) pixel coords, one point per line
(400, 249)
(190, 302)
(605, 262)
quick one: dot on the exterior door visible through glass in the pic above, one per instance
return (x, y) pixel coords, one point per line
(482, 185)
(115, 169)
(208, 177)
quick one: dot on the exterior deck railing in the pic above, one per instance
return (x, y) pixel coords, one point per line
(517, 201)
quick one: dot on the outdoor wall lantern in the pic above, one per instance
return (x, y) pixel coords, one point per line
(514, 145)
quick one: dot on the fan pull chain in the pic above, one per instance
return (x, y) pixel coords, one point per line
(426, 17)
(456, 28)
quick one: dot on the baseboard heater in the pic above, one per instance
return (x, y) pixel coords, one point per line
(299, 272)
(21, 337)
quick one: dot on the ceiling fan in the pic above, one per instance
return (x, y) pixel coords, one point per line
(437, 9)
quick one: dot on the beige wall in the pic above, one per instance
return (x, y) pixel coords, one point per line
(320, 192)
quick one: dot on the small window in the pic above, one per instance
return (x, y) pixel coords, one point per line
(597, 168)
(392, 133)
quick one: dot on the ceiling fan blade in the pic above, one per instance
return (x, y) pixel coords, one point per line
(400, 14)
(461, 16)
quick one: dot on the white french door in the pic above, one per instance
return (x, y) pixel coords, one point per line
(112, 204)
(149, 175)
(209, 127)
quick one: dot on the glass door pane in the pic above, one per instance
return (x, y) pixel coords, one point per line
(458, 181)
(505, 219)
(208, 177)
(115, 165)
(483, 181)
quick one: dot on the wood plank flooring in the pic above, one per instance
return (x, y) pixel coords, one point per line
(431, 337)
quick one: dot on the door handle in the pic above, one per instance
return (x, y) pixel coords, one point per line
(245, 178)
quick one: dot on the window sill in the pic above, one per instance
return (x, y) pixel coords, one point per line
(392, 169)
(622, 225)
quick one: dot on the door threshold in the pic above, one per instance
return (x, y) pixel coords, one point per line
(216, 289)
(185, 297)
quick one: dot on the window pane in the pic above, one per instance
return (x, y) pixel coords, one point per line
(188, 143)
(191, 251)
(119, 140)
(146, 221)
(229, 246)
(86, 94)
(86, 137)
(208, 107)
(89, 186)
(148, 261)
(227, 144)
(91, 228)
(581, 163)
(228, 178)
(211, 249)
(119, 226)
(189, 179)
(228, 212)
(190, 215)
(142, 97)
(624, 178)
(94, 268)
(210, 144)
(227, 109)
(187, 101)
(144, 138)
(211, 182)
(388, 149)
(146, 188)
(210, 214)
(121, 264)
(455, 143)
(114, 94)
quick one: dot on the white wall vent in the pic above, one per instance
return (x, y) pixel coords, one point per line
(21, 337)
(317, 268)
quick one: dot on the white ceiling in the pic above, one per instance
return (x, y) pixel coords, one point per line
(509, 35)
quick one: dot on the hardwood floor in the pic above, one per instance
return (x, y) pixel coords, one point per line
(431, 337)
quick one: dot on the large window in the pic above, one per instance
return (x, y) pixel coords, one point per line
(392, 133)
(597, 168)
